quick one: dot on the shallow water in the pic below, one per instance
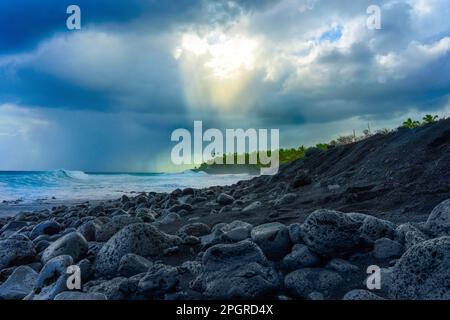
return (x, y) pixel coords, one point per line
(24, 190)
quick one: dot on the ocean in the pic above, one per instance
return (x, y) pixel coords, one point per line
(26, 190)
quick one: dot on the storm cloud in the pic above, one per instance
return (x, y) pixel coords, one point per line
(106, 97)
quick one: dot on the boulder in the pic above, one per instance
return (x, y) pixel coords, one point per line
(342, 266)
(295, 233)
(194, 229)
(46, 227)
(226, 233)
(72, 244)
(386, 248)
(159, 280)
(132, 264)
(286, 199)
(330, 233)
(273, 239)
(112, 289)
(224, 199)
(236, 271)
(373, 229)
(252, 206)
(106, 231)
(423, 272)
(52, 279)
(142, 239)
(439, 220)
(16, 251)
(300, 257)
(303, 282)
(19, 284)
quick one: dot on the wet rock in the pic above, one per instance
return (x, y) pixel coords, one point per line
(80, 296)
(385, 248)
(361, 295)
(132, 264)
(423, 272)
(46, 227)
(159, 280)
(300, 257)
(16, 251)
(19, 284)
(141, 239)
(439, 220)
(273, 239)
(236, 271)
(224, 199)
(302, 282)
(72, 244)
(330, 233)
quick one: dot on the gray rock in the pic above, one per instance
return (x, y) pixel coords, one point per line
(159, 280)
(16, 251)
(439, 220)
(374, 229)
(146, 215)
(295, 233)
(342, 266)
(236, 271)
(52, 279)
(72, 244)
(112, 289)
(423, 272)
(302, 282)
(80, 296)
(300, 257)
(253, 206)
(330, 233)
(385, 248)
(106, 231)
(316, 296)
(142, 239)
(286, 199)
(132, 264)
(361, 295)
(413, 237)
(46, 227)
(197, 229)
(224, 199)
(19, 284)
(225, 233)
(273, 239)
(88, 230)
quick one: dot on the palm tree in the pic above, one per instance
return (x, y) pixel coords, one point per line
(429, 119)
(411, 124)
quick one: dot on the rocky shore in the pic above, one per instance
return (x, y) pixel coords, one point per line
(311, 232)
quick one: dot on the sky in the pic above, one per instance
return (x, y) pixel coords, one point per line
(107, 97)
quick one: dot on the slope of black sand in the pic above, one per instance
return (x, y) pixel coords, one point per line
(400, 177)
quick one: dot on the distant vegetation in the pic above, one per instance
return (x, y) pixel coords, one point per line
(289, 155)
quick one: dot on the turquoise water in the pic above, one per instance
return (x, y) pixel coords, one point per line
(66, 185)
